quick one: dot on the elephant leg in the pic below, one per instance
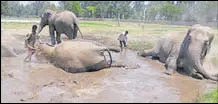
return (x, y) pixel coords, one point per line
(52, 35)
(70, 34)
(170, 65)
(197, 75)
(145, 53)
(58, 37)
(28, 57)
(75, 30)
(171, 62)
(180, 62)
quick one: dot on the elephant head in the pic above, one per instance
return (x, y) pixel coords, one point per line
(45, 17)
(195, 47)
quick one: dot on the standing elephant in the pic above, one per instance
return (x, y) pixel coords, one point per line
(185, 51)
(60, 21)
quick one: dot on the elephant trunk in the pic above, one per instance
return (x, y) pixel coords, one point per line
(197, 61)
(202, 71)
(41, 26)
(109, 53)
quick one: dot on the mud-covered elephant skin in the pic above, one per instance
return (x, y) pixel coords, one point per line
(64, 22)
(184, 51)
(78, 56)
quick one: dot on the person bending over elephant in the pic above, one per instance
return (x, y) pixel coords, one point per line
(60, 21)
(30, 41)
(184, 51)
(79, 56)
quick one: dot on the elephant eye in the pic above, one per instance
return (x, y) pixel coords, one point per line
(206, 42)
(189, 38)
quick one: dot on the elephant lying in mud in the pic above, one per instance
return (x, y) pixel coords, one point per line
(184, 51)
(78, 56)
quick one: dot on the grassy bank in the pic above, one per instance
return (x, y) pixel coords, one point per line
(211, 97)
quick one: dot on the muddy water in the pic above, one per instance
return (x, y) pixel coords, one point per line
(39, 81)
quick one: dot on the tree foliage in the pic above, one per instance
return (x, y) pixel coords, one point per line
(147, 10)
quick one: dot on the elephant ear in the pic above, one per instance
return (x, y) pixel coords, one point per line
(185, 44)
(208, 43)
(47, 15)
(187, 39)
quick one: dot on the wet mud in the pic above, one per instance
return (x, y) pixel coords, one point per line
(40, 81)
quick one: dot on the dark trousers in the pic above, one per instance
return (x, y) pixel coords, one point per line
(122, 43)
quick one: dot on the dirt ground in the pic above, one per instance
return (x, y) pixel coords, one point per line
(40, 81)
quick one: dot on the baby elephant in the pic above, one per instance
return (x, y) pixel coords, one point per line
(78, 56)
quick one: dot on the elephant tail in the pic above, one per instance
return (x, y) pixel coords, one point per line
(114, 49)
(118, 65)
(109, 53)
(125, 66)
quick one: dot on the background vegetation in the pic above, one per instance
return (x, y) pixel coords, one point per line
(210, 97)
(199, 11)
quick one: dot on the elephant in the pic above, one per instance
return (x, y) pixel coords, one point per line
(184, 51)
(78, 56)
(60, 21)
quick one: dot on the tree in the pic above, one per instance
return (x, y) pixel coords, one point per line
(208, 10)
(91, 10)
(37, 5)
(47, 5)
(12, 8)
(76, 8)
(4, 8)
(152, 12)
(138, 6)
(73, 6)
(65, 5)
(170, 11)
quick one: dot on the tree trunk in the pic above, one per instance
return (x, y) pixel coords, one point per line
(118, 19)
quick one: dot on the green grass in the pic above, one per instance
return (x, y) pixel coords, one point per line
(140, 45)
(211, 97)
(93, 23)
(19, 18)
(6, 25)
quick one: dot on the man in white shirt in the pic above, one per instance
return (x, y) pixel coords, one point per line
(123, 39)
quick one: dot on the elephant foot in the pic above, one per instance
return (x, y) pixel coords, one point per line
(27, 59)
(197, 75)
(141, 53)
(168, 72)
(50, 44)
(58, 42)
(53, 43)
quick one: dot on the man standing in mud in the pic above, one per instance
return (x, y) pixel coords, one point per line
(30, 43)
(123, 39)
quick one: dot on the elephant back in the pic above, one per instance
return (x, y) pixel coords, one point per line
(77, 54)
(65, 16)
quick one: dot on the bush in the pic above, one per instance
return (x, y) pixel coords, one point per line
(211, 97)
